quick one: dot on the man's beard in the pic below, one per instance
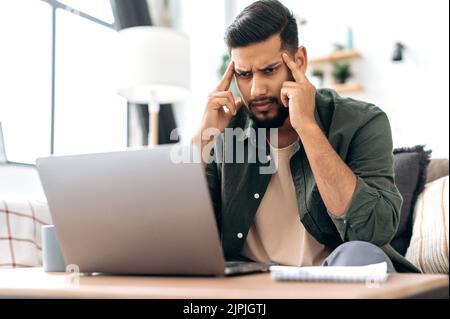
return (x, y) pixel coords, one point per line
(276, 122)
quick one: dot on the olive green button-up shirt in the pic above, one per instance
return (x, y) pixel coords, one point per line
(360, 134)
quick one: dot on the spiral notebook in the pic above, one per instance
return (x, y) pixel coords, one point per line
(370, 273)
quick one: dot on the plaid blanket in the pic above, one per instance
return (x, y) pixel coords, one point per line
(21, 220)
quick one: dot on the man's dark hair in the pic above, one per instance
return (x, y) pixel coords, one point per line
(261, 20)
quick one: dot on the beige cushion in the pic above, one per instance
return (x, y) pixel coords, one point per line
(437, 168)
(429, 248)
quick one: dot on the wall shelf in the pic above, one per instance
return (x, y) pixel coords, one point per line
(341, 55)
(347, 88)
(346, 54)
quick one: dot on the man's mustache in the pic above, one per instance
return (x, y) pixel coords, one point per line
(267, 99)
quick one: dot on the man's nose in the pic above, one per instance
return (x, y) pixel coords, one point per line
(259, 88)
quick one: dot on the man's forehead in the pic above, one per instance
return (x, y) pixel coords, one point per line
(258, 55)
(242, 63)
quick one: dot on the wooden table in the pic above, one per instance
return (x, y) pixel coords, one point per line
(35, 283)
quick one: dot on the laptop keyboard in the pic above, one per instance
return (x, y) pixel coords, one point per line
(243, 267)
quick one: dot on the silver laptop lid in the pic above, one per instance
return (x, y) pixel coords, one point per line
(2, 147)
(133, 212)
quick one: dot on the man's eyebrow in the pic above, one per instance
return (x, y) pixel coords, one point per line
(270, 66)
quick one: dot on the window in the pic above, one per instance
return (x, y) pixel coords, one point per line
(87, 113)
(25, 78)
(100, 9)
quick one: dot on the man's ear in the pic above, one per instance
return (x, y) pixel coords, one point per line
(301, 59)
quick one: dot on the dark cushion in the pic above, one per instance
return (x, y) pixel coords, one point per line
(410, 167)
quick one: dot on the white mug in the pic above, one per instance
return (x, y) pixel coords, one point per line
(52, 257)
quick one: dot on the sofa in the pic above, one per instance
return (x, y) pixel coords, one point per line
(21, 218)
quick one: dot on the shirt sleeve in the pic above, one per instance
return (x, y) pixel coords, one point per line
(212, 173)
(373, 213)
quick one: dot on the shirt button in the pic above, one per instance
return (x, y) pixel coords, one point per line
(240, 235)
(268, 157)
(256, 195)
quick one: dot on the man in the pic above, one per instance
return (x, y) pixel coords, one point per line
(331, 199)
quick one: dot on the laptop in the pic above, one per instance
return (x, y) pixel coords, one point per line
(136, 212)
(2, 147)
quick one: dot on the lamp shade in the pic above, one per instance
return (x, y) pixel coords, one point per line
(153, 64)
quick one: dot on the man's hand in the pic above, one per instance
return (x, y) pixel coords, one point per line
(215, 115)
(215, 118)
(299, 97)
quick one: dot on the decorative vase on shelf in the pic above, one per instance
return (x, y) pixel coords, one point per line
(349, 38)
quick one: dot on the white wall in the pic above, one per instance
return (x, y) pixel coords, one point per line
(413, 93)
